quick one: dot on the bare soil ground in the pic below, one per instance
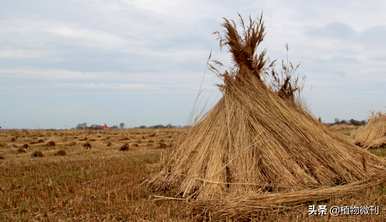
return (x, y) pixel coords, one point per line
(74, 175)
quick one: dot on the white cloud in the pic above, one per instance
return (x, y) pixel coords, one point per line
(22, 53)
(129, 45)
(114, 86)
(94, 38)
(57, 79)
(46, 74)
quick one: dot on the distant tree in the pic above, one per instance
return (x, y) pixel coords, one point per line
(357, 122)
(114, 127)
(81, 126)
(159, 126)
(351, 121)
(122, 125)
(96, 127)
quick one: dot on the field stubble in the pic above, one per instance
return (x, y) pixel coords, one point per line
(103, 182)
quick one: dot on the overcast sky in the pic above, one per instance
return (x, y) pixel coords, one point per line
(143, 61)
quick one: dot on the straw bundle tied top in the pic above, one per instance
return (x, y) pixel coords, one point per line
(255, 147)
(373, 134)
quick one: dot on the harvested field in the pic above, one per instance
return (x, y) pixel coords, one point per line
(346, 130)
(72, 183)
(76, 143)
(104, 183)
(255, 147)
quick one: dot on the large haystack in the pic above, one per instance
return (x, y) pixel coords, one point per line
(373, 134)
(254, 148)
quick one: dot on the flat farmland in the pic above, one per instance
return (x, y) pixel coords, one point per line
(90, 175)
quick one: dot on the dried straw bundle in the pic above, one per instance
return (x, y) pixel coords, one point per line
(243, 208)
(373, 134)
(284, 82)
(254, 149)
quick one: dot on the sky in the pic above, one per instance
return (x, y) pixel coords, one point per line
(144, 62)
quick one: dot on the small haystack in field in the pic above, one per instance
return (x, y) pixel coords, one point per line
(51, 143)
(255, 150)
(373, 134)
(60, 153)
(87, 145)
(124, 147)
(37, 154)
(21, 150)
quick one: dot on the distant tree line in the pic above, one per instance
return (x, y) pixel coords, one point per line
(159, 126)
(99, 126)
(122, 126)
(350, 121)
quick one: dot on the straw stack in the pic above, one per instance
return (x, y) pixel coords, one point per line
(373, 134)
(253, 149)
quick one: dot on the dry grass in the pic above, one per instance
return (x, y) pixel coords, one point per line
(345, 129)
(105, 185)
(124, 147)
(253, 157)
(60, 153)
(80, 186)
(36, 154)
(373, 134)
(51, 143)
(256, 146)
(284, 81)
